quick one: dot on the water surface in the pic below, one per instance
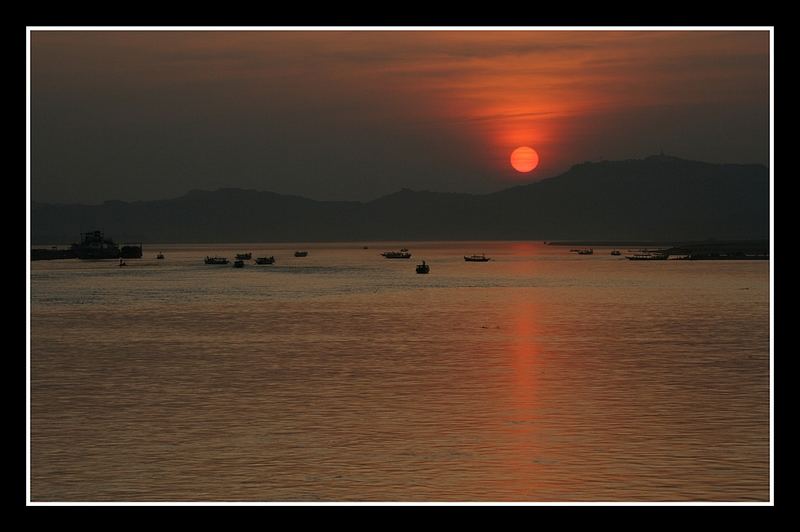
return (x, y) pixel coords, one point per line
(343, 376)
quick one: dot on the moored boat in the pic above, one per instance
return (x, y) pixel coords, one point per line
(239, 263)
(244, 256)
(265, 260)
(301, 253)
(616, 252)
(476, 258)
(585, 251)
(216, 260)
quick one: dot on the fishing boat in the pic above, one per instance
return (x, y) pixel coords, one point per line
(265, 260)
(423, 268)
(301, 253)
(477, 258)
(397, 254)
(216, 260)
(239, 263)
(244, 256)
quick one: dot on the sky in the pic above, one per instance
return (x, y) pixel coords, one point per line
(354, 115)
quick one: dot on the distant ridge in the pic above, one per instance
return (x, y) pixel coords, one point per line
(658, 198)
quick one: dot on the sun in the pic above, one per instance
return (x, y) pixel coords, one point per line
(524, 159)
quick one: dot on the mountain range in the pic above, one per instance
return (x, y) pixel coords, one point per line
(658, 198)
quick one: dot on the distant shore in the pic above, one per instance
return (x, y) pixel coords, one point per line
(704, 250)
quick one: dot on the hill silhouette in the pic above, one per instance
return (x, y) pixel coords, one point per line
(656, 198)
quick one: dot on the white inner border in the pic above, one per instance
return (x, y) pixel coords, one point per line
(771, 31)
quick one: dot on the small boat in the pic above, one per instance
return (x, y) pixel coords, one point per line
(160, 256)
(616, 252)
(585, 251)
(397, 254)
(648, 256)
(366, 247)
(239, 263)
(265, 260)
(301, 253)
(423, 268)
(216, 260)
(477, 258)
(244, 256)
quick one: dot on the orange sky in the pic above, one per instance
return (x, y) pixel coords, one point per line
(374, 109)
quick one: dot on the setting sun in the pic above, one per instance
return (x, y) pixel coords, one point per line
(524, 159)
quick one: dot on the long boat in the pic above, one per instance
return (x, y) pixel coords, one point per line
(397, 254)
(651, 256)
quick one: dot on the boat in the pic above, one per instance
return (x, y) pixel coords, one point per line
(616, 252)
(131, 251)
(265, 260)
(216, 260)
(301, 253)
(477, 258)
(94, 245)
(397, 254)
(404, 250)
(238, 263)
(160, 256)
(122, 263)
(585, 251)
(423, 268)
(648, 256)
(244, 256)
